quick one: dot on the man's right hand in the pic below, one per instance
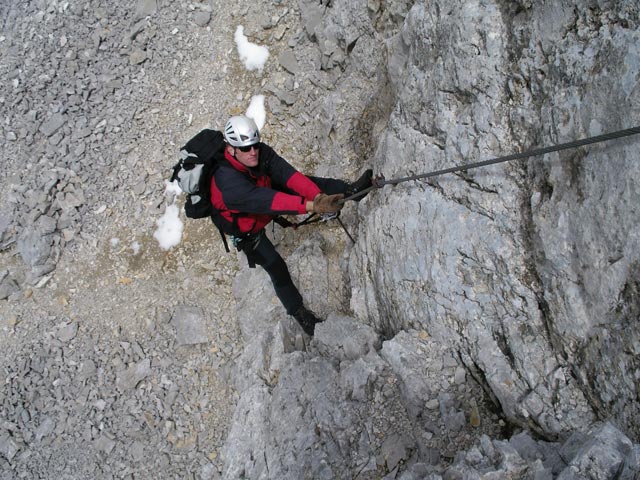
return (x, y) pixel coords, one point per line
(327, 203)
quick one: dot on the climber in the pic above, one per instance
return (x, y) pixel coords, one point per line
(252, 186)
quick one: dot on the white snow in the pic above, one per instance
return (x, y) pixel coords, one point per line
(256, 110)
(172, 188)
(169, 232)
(253, 56)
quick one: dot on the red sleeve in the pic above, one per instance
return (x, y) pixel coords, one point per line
(302, 185)
(283, 202)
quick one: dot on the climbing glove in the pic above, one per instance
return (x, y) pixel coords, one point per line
(327, 203)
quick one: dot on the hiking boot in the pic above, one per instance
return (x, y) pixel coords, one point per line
(360, 184)
(307, 320)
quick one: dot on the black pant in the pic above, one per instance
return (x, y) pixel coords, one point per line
(260, 251)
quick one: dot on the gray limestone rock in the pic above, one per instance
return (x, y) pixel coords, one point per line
(603, 455)
(395, 449)
(105, 444)
(46, 427)
(36, 274)
(138, 56)
(411, 359)
(358, 379)
(137, 451)
(34, 246)
(8, 447)
(524, 308)
(285, 96)
(5, 224)
(631, 469)
(345, 339)
(8, 286)
(202, 19)
(190, 325)
(67, 332)
(129, 378)
(145, 8)
(254, 316)
(288, 61)
(53, 124)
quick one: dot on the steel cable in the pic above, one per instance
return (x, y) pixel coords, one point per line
(381, 182)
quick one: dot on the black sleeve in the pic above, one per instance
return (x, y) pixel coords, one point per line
(275, 166)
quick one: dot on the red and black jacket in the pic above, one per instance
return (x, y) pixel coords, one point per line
(247, 199)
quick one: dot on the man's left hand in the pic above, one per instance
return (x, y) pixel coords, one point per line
(327, 203)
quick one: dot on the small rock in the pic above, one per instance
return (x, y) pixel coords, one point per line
(460, 376)
(190, 325)
(137, 451)
(45, 428)
(8, 448)
(448, 361)
(34, 247)
(68, 332)
(288, 61)
(145, 8)
(208, 471)
(432, 404)
(455, 421)
(52, 125)
(286, 97)
(394, 449)
(202, 19)
(87, 370)
(8, 286)
(139, 188)
(105, 444)
(602, 456)
(132, 376)
(474, 416)
(138, 56)
(345, 338)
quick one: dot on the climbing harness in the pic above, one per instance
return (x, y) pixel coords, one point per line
(380, 181)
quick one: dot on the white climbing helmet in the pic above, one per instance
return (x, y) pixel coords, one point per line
(241, 131)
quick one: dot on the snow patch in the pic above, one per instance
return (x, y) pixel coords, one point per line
(253, 56)
(257, 111)
(169, 231)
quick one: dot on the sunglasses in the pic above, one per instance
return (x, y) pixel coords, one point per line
(248, 148)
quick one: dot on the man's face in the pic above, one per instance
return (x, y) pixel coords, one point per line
(247, 156)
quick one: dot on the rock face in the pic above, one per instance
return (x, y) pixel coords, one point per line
(349, 405)
(528, 270)
(344, 404)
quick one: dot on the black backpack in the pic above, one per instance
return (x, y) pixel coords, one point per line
(194, 170)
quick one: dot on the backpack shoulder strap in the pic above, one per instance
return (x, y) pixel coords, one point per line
(223, 236)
